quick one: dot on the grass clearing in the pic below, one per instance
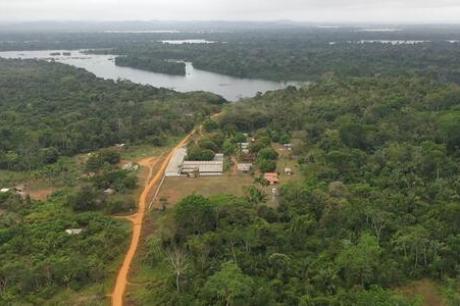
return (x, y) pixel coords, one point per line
(427, 290)
(11, 177)
(176, 188)
(135, 152)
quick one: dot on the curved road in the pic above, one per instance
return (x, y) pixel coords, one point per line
(137, 220)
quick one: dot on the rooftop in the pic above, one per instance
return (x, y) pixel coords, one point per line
(203, 166)
(175, 163)
(74, 231)
(272, 177)
(244, 166)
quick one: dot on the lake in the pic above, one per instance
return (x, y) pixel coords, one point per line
(231, 88)
(186, 41)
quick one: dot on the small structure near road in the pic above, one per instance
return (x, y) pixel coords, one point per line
(130, 166)
(4, 190)
(175, 164)
(272, 178)
(20, 190)
(20, 187)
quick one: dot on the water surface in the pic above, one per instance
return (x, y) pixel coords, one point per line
(393, 42)
(186, 41)
(231, 88)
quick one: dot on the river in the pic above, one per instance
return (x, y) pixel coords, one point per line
(231, 88)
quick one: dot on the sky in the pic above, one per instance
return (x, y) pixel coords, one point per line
(411, 11)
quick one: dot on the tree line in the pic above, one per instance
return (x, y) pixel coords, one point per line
(151, 64)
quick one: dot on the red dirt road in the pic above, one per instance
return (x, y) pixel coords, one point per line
(137, 220)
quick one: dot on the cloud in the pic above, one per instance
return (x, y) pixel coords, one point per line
(301, 10)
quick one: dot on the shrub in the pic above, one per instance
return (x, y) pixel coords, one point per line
(266, 165)
(268, 153)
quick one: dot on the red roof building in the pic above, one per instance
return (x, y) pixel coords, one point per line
(272, 178)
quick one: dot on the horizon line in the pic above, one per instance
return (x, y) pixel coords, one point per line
(304, 22)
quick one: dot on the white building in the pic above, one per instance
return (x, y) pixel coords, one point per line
(288, 146)
(203, 168)
(175, 164)
(74, 231)
(219, 157)
(109, 191)
(244, 167)
(244, 145)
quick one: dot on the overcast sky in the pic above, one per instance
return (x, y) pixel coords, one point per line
(299, 10)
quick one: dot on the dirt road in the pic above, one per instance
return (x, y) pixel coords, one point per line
(137, 220)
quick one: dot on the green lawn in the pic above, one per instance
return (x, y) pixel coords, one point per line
(136, 152)
(176, 188)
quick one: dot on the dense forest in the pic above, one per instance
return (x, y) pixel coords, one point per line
(40, 263)
(50, 109)
(378, 206)
(294, 59)
(151, 64)
(295, 52)
(309, 54)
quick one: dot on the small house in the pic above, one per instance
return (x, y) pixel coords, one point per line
(272, 178)
(20, 191)
(109, 191)
(22, 194)
(3, 190)
(20, 188)
(288, 146)
(130, 166)
(244, 167)
(244, 145)
(74, 231)
(288, 171)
